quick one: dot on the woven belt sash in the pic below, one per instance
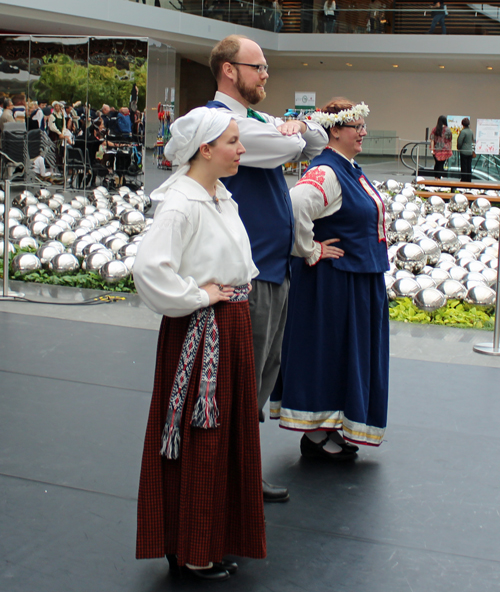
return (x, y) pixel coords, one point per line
(202, 325)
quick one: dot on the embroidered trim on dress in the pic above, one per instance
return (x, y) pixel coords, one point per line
(304, 421)
(380, 207)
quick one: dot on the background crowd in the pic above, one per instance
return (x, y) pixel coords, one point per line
(98, 133)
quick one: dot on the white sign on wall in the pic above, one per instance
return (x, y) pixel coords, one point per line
(487, 136)
(305, 100)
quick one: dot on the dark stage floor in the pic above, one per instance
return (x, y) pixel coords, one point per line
(419, 514)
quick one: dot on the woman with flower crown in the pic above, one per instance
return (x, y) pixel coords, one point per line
(334, 376)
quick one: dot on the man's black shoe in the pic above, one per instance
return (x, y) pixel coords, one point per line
(274, 493)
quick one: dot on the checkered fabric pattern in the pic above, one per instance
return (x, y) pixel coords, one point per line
(207, 503)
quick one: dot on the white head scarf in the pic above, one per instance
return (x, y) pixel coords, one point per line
(200, 126)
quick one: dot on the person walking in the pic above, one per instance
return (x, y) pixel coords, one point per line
(438, 17)
(261, 191)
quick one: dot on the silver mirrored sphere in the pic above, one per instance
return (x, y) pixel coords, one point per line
(434, 205)
(481, 295)
(458, 203)
(400, 274)
(78, 246)
(11, 248)
(474, 265)
(114, 271)
(405, 288)
(480, 206)
(28, 242)
(431, 250)
(439, 275)
(129, 262)
(16, 214)
(96, 260)
(46, 253)
(457, 273)
(425, 281)
(128, 250)
(64, 263)
(16, 233)
(452, 289)
(447, 240)
(392, 185)
(51, 232)
(490, 275)
(67, 238)
(26, 263)
(133, 222)
(429, 299)
(459, 225)
(399, 230)
(411, 257)
(490, 227)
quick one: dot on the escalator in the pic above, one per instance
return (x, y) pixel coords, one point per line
(416, 156)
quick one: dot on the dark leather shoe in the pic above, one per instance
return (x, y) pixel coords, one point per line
(337, 438)
(310, 449)
(274, 493)
(230, 566)
(214, 573)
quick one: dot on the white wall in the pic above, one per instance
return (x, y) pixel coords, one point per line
(405, 102)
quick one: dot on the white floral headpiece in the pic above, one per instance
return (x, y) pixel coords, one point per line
(331, 119)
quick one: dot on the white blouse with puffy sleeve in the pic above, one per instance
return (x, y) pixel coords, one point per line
(192, 241)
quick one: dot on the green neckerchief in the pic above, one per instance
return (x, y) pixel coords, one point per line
(254, 115)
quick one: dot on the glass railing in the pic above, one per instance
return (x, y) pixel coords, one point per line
(417, 155)
(462, 19)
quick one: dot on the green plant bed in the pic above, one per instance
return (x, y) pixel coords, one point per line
(454, 314)
(76, 279)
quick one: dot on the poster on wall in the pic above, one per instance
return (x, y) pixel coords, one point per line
(487, 136)
(305, 100)
(455, 124)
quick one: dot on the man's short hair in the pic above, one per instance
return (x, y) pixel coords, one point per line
(7, 103)
(225, 51)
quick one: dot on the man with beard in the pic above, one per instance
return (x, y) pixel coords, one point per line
(259, 187)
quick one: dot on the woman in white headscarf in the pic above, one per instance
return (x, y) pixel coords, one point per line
(200, 493)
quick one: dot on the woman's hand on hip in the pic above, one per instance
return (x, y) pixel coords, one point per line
(329, 252)
(217, 292)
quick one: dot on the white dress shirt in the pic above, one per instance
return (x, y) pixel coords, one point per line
(191, 242)
(265, 146)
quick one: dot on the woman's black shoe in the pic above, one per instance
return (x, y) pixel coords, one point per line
(310, 449)
(216, 573)
(337, 439)
(230, 566)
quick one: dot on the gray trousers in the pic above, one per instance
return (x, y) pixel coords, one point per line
(268, 307)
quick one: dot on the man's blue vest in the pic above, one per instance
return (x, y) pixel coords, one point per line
(360, 221)
(266, 210)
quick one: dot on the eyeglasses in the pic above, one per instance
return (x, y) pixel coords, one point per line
(261, 68)
(358, 128)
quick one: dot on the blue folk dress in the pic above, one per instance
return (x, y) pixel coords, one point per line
(335, 358)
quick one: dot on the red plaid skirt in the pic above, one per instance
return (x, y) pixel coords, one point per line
(207, 503)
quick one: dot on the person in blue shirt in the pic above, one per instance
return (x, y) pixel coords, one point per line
(124, 122)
